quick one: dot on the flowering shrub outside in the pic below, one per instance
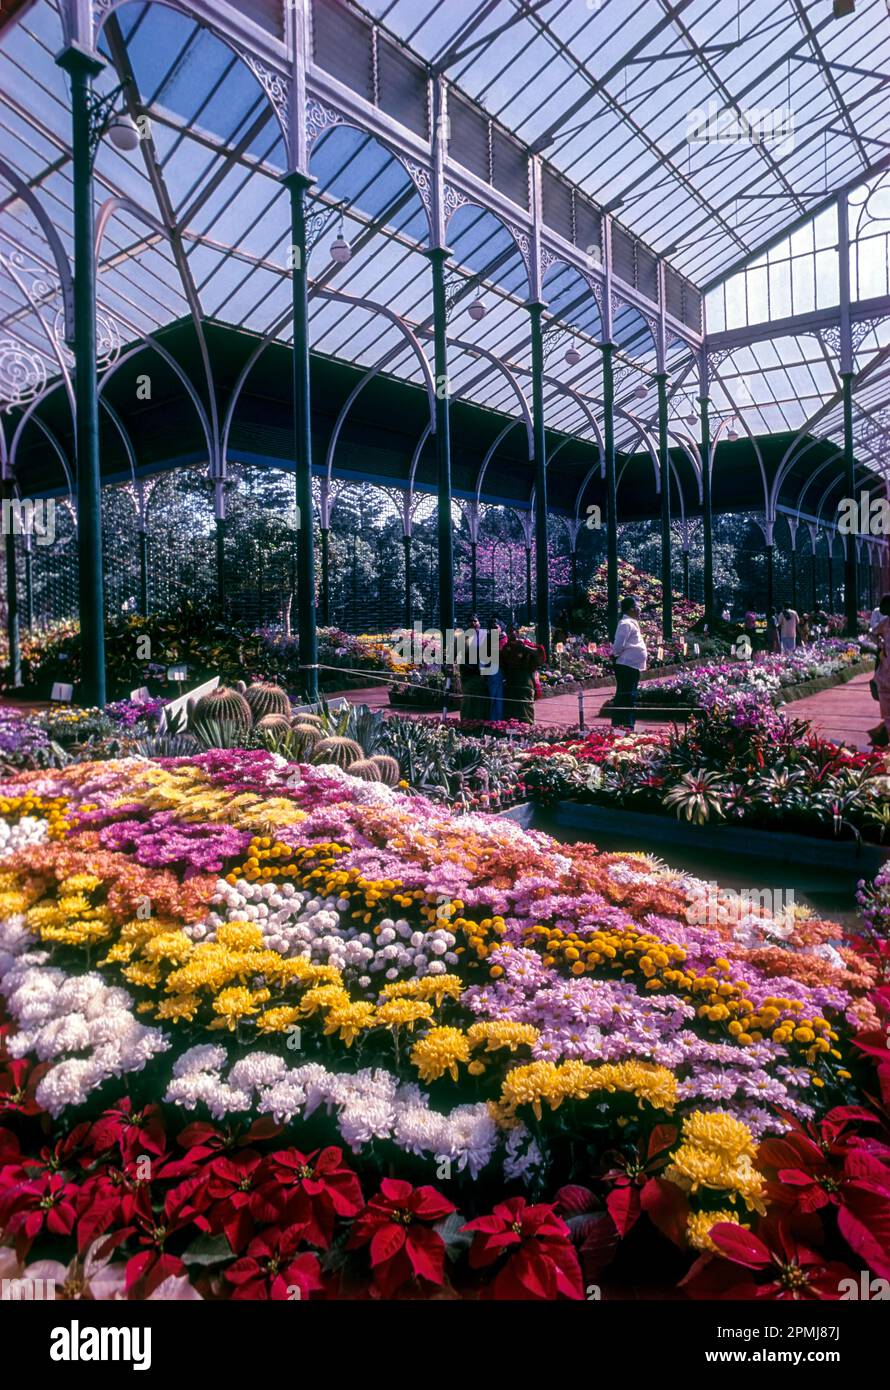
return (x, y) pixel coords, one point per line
(275, 1032)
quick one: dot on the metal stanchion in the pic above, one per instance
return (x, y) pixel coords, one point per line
(581, 724)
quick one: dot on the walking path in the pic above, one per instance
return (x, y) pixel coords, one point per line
(844, 714)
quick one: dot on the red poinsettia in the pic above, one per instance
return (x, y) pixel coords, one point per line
(18, 1082)
(233, 1200)
(771, 1265)
(44, 1204)
(313, 1189)
(634, 1188)
(541, 1262)
(133, 1133)
(154, 1264)
(396, 1224)
(807, 1173)
(271, 1268)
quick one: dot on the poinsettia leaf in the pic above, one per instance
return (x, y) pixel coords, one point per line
(667, 1208)
(623, 1204)
(207, 1250)
(574, 1200)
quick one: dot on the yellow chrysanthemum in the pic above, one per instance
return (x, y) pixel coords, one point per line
(440, 1051)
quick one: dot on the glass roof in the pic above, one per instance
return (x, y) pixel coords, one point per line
(610, 91)
(615, 94)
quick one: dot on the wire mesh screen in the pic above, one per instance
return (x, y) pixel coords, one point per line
(120, 550)
(261, 545)
(54, 574)
(181, 540)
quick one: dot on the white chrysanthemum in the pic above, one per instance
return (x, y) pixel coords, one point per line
(205, 1057)
(259, 1069)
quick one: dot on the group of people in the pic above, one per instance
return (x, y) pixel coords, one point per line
(502, 686)
(785, 628)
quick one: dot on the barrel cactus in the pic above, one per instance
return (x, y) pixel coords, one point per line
(366, 768)
(303, 716)
(387, 767)
(342, 751)
(304, 737)
(221, 719)
(266, 698)
(273, 729)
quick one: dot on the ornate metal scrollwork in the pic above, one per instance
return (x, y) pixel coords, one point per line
(319, 118)
(22, 374)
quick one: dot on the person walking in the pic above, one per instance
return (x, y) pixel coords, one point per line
(630, 656)
(788, 620)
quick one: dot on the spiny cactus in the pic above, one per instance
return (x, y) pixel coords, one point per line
(342, 751)
(266, 698)
(304, 737)
(388, 767)
(304, 717)
(364, 768)
(221, 719)
(273, 731)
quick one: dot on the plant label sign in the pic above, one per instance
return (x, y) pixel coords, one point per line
(62, 693)
(179, 705)
(140, 696)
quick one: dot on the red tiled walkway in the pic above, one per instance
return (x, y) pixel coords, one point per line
(843, 714)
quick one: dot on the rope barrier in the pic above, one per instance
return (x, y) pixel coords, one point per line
(683, 712)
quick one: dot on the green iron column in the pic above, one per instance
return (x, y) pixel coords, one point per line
(29, 584)
(608, 350)
(664, 455)
(409, 580)
(221, 559)
(325, 576)
(542, 539)
(770, 577)
(707, 514)
(298, 185)
(438, 256)
(82, 67)
(851, 576)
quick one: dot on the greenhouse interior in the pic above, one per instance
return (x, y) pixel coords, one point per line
(445, 654)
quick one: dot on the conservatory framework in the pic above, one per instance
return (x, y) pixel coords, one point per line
(235, 234)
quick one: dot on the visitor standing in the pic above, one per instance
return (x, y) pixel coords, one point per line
(788, 620)
(492, 673)
(630, 657)
(520, 661)
(474, 688)
(882, 673)
(772, 634)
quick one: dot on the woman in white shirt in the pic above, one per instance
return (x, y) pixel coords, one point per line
(788, 620)
(630, 656)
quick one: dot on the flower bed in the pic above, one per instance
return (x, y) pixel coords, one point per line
(742, 761)
(776, 676)
(275, 1032)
